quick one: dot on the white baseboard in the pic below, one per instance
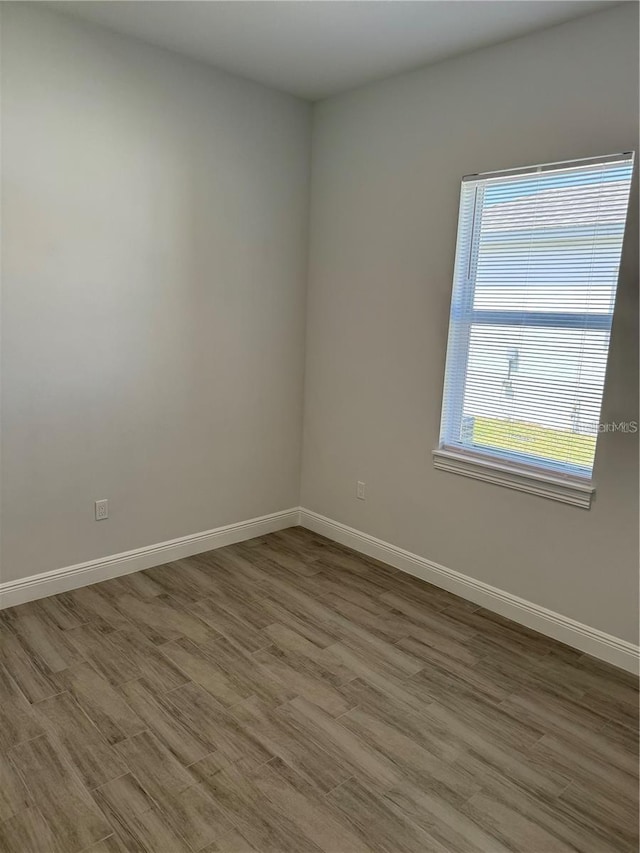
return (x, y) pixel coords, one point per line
(606, 647)
(603, 646)
(94, 571)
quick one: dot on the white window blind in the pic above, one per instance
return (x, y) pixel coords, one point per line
(535, 278)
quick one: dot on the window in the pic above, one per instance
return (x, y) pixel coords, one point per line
(535, 278)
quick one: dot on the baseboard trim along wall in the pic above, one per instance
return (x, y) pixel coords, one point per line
(94, 571)
(606, 647)
(603, 646)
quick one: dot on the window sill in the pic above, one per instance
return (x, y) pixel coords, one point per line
(501, 474)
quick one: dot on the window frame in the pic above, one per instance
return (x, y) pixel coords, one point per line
(569, 484)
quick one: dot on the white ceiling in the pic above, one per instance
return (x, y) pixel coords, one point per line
(315, 48)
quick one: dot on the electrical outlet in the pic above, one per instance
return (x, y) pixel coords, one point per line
(360, 490)
(102, 510)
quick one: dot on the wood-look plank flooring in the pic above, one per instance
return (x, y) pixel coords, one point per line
(288, 695)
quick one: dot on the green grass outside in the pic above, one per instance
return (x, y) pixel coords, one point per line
(534, 440)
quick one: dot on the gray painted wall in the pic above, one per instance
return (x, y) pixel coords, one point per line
(154, 275)
(387, 163)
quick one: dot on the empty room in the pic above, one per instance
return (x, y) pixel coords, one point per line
(319, 426)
